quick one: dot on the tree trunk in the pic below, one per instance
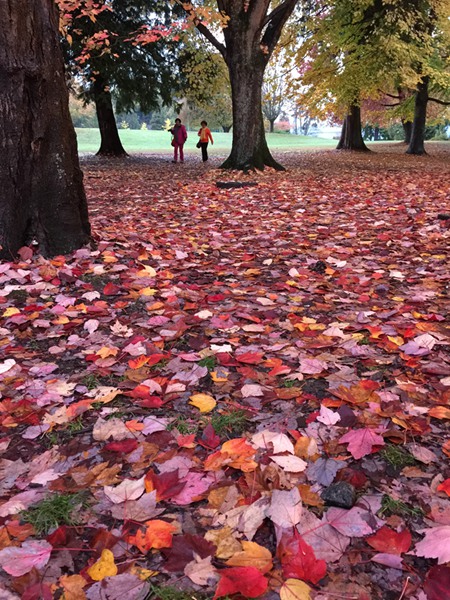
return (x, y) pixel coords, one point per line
(249, 148)
(351, 134)
(407, 130)
(416, 144)
(376, 134)
(41, 185)
(271, 125)
(110, 140)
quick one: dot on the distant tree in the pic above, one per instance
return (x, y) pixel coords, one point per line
(273, 94)
(41, 186)
(355, 51)
(124, 58)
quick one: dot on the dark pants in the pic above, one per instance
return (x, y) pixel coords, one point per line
(204, 147)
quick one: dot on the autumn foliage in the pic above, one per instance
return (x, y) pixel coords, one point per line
(199, 387)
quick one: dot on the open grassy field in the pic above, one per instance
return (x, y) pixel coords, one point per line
(137, 141)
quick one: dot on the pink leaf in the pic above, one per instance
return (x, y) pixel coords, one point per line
(435, 544)
(18, 561)
(361, 441)
(353, 522)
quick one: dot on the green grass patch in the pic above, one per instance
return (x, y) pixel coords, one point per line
(158, 141)
(389, 506)
(209, 362)
(91, 381)
(234, 422)
(183, 425)
(171, 593)
(56, 510)
(397, 456)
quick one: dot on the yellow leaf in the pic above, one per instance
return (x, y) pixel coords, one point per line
(294, 589)
(104, 567)
(203, 402)
(397, 340)
(9, 312)
(148, 291)
(217, 376)
(104, 352)
(143, 574)
(253, 555)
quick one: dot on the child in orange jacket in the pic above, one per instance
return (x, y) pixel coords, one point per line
(205, 135)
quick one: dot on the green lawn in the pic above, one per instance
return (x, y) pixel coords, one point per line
(135, 140)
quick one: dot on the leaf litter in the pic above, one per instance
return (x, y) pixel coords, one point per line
(219, 361)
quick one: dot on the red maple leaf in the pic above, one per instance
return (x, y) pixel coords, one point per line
(298, 559)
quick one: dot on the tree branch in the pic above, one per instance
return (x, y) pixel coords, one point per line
(203, 29)
(275, 22)
(439, 101)
(398, 97)
(390, 105)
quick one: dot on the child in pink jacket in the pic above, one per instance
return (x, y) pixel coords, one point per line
(179, 137)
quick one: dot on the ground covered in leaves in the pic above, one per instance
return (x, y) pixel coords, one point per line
(239, 392)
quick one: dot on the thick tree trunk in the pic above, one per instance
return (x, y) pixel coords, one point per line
(351, 134)
(41, 184)
(271, 125)
(407, 130)
(249, 148)
(110, 141)
(416, 144)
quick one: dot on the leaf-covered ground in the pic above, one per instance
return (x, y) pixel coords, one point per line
(239, 393)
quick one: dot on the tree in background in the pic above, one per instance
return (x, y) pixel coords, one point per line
(41, 186)
(124, 55)
(251, 30)
(356, 52)
(273, 92)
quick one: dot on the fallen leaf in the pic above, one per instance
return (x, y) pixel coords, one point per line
(435, 544)
(203, 402)
(247, 581)
(20, 560)
(104, 567)
(294, 589)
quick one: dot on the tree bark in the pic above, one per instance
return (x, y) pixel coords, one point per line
(416, 144)
(351, 134)
(407, 130)
(271, 125)
(252, 32)
(42, 197)
(110, 141)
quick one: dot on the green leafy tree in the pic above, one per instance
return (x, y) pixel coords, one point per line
(123, 56)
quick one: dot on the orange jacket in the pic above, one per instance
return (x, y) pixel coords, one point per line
(205, 134)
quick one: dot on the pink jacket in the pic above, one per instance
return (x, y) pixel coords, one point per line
(179, 134)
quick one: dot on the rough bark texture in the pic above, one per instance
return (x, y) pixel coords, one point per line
(249, 148)
(110, 141)
(351, 134)
(416, 144)
(41, 184)
(407, 130)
